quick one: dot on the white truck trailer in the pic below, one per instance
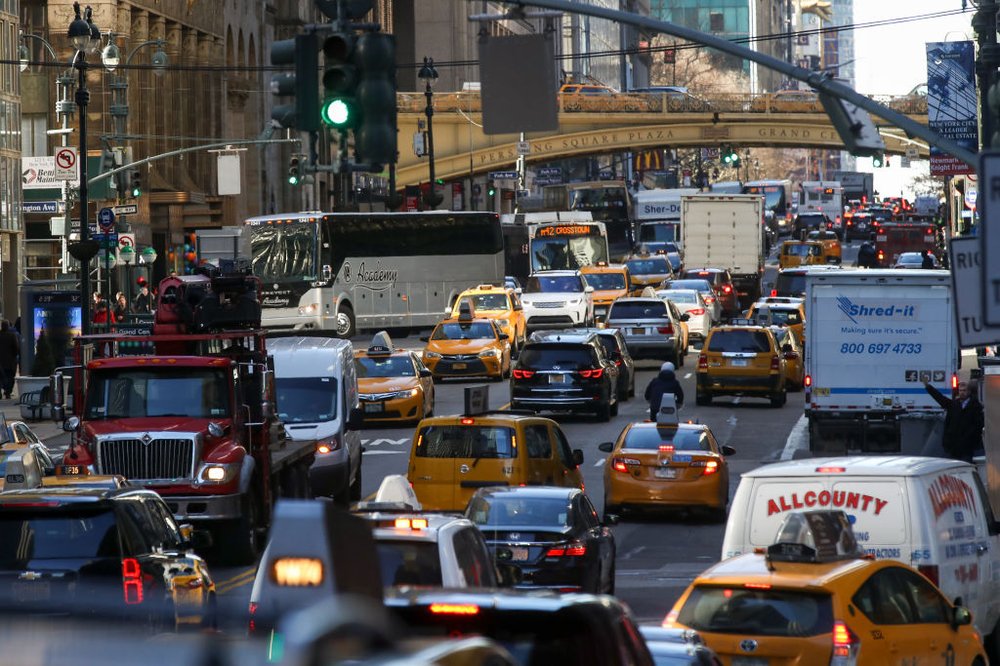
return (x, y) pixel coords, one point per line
(726, 231)
(872, 339)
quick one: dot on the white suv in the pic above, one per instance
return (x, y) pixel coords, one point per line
(557, 299)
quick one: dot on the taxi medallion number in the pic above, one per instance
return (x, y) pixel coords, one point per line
(459, 366)
(665, 473)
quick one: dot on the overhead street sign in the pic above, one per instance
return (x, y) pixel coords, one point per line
(503, 175)
(967, 283)
(40, 207)
(989, 207)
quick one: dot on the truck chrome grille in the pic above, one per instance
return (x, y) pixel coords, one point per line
(137, 459)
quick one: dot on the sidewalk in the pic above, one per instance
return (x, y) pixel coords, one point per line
(47, 430)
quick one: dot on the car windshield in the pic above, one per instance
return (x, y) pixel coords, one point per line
(651, 439)
(711, 278)
(384, 366)
(754, 612)
(606, 280)
(704, 286)
(638, 310)
(119, 393)
(679, 296)
(652, 266)
(659, 231)
(476, 330)
(566, 357)
(790, 284)
(776, 316)
(511, 510)
(489, 301)
(65, 533)
(306, 399)
(465, 441)
(409, 563)
(739, 340)
(548, 284)
(801, 250)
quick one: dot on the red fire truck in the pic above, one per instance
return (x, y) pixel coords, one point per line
(192, 415)
(894, 238)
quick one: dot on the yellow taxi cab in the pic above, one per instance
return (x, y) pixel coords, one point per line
(648, 270)
(813, 597)
(830, 242)
(741, 360)
(610, 282)
(790, 314)
(393, 384)
(502, 305)
(665, 465)
(467, 346)
(800, 253)
(453, 456)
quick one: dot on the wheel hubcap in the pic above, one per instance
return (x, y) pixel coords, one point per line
(343, 323)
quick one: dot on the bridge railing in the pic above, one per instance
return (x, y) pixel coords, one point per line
(470, 102)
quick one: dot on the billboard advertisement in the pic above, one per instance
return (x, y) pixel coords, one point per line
(951, 102)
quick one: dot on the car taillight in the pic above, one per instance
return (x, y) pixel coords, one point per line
(774, 292)
(711, 467)
(807, 381)
(618, 362)
(593, 373)
(710, 299)
(131, 581)
(572, 549)
(727, 289)
(775, 362)
(622, 464)
(666, 330)
(930, 571)
(697, 311)
(523, 374)
(702, 362)
(881, 255)
(845, 645)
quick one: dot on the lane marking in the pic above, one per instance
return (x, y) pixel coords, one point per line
(599, 462)
(383, 453)
(798, 439)
(687, 375)
(405, 441)
(737, 400)
(239, 580)
(634, 551)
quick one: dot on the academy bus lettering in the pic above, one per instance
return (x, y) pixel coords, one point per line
(826, 498)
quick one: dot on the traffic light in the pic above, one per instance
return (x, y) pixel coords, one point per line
(491, 189)
(135, 183)
(340, 81)
(729, 156)
(294, 174)
(878, 160)
(375, 135)
(302, 52)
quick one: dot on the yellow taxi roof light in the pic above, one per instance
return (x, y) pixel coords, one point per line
(381, 344)
(297, 571)
(466, 421)
(410, 523)
(454, 609)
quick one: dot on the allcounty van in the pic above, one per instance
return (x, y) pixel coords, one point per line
(930, 513)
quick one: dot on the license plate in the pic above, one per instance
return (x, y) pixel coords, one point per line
(749, 661)
(557, 379)
(738, 362)
(638, 331)
(460, 366)
(374, 408)
(31, 591)
(519, 554)
(665, 473)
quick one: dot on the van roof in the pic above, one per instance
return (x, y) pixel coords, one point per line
(301, 342)
(859, 466)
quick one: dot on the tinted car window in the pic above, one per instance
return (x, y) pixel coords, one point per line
(386, 366)
(537, 439)
(775, 316)
(739, 341)
(511, 509)
(553, 284)
(734, 610)
(637, 310)
(65, 534)
(445, 441)
(473, 559)
(648, 266)
(490, 301)
(606, 280)
(610, 344)
(409, 563)
(790, 284)
(653, 438)
(478, 330)
(568, 357)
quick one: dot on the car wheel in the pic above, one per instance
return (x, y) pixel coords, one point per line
(779, 399)
(355, 491)
(345, 326)
(604, 412)
(609, 588)
(703, 399)
(614, 408)
(631, 388)
(622, 392)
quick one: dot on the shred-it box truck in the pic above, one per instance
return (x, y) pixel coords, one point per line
(872, 338)
(726, 231)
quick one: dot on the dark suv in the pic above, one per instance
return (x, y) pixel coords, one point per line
(805, 222)
(114, 553)
(722, 284)
(563, 371)
(617, 351)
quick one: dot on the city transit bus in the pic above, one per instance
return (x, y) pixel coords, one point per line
(608, 201)
(777, 202)
(552, 241)
(347, 271)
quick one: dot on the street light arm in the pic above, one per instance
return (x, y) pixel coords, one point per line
(159, 42)
(45, 43)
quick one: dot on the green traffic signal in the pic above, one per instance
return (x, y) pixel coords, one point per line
(337, 113)
(136, 185)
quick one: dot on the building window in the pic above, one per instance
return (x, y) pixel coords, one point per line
(716, 22)
(33, 137)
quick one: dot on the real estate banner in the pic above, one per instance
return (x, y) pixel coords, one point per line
(951, 102)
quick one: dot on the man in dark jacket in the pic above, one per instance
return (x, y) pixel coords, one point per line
(963, 421)
(867, 258)
(665, 382)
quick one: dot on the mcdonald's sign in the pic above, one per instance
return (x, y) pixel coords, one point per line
(649, 160)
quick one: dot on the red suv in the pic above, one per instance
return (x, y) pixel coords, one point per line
(721, 283)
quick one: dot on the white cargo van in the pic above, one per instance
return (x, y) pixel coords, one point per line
(317, 389)
(930, 513)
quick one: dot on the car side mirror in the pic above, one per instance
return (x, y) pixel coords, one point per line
(588, 289)
(71, 424)
(425, 338)
(509, 575)
(685, 317)
(728, 451)
(785, 348)
(606, 447)
(424, 373)
(578, 457)
(355, 419)
(960, 616)
(611, 519)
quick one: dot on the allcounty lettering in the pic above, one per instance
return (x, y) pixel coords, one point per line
(834, 498)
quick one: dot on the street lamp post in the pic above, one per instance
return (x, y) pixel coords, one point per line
(85, 38)
(111, 58)
(429, 75)
(146, 258)
(126, 257)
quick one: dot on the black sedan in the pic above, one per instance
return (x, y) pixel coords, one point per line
(553, 535)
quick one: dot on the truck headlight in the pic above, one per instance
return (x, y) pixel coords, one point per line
(217, 472)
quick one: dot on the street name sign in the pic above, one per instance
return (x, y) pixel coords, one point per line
(125, 209)
(967, 284)
(989, 207)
